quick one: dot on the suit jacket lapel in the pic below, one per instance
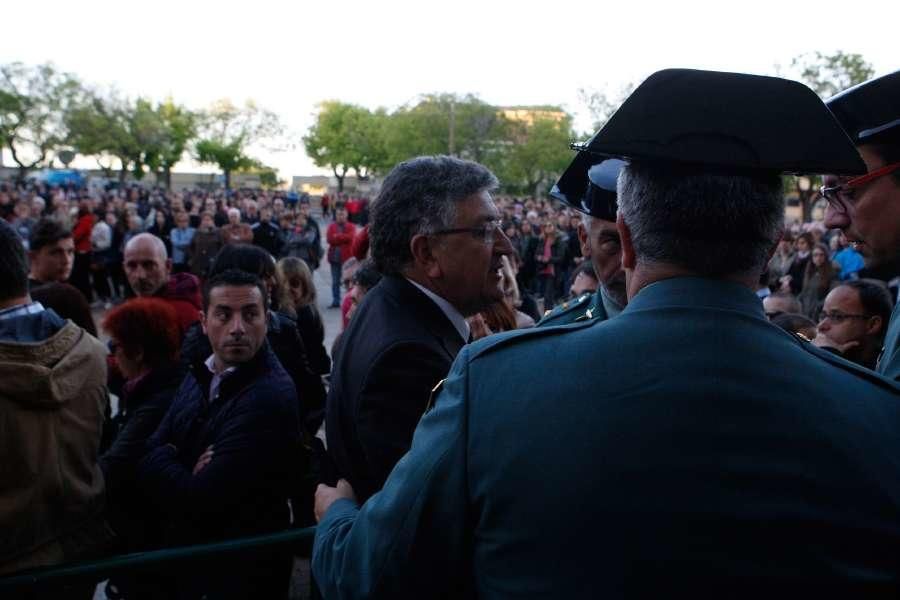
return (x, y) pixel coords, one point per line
(430, 314)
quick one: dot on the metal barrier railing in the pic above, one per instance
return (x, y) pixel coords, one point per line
(300, 539)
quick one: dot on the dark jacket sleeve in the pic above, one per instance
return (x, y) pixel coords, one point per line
(255, 447)
(288, 346)
(391, 402)
(119, 462)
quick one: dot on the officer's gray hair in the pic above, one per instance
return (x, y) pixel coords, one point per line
(419, 196)
(711, 224)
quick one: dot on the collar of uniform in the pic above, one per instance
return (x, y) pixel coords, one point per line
(609, 305)
(697, 292)
(459, 321)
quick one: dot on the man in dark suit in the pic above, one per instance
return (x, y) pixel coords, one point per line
(436, 238)
(686, 448)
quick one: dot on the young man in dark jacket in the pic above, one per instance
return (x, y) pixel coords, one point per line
(221, 463)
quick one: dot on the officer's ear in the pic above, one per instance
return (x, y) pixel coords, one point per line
(584, 238)
(424, 259)
(629, 260)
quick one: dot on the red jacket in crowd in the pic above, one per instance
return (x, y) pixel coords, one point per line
(340, 239)
(81, 234)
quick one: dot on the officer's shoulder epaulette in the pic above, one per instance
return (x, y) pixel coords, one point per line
(580, 303)
(510, 338)
(842, 363)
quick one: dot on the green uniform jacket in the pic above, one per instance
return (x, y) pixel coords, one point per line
(685, 448)
(586, 306)
(889, 364)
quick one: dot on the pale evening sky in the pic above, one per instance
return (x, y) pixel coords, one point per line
(288, 56)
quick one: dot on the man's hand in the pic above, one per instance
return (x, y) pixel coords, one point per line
(823, 341)
(479, 327)
(204, 460)
(326, 496)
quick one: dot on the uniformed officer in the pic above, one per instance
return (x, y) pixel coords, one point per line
(685, 448)
(867, 208)
(596, 198)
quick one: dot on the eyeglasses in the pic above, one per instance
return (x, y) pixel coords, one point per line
(838, 317)
(841, 195)
(485, 233)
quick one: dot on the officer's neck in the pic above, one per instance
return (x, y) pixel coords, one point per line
(644, 274)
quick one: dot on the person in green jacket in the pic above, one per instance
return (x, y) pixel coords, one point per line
(599, 240)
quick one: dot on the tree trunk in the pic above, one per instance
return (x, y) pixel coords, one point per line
(227, 173)
(340, 178)
(122, 173)
(167, 174)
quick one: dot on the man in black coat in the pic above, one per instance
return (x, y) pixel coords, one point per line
(436, 237)
(223, 461)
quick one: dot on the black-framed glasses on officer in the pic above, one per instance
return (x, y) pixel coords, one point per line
(841, 196)
(486, 233)
(836, 316)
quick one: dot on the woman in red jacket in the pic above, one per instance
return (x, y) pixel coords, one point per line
(81, 234)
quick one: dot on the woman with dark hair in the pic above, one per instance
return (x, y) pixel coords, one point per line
(818, 279)
(298, 300)
(549, 256)
(793, 280)
(145, 338)
(67, 302)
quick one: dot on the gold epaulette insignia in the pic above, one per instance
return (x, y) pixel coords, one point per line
(434, 392)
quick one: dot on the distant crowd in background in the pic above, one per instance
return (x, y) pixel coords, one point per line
(546, 269)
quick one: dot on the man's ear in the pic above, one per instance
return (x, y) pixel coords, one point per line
(168, 265)
(629, 259)
(584, 239)
(423, 256)
(203, 322)
(874, 325)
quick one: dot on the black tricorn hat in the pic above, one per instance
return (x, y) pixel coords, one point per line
(728, 122)
(870, 112)
(589, 185)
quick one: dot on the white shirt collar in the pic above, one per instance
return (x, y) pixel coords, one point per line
(459, 321)
(217, 377)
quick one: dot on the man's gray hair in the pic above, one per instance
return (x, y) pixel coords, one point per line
(712, 224)
(419, 197)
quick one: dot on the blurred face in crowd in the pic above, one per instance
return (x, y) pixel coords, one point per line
(356, 295)
(210, 205)
(134, 223)
(583, 284)
(819, 256)
(600, 242)
(235, 323)
(111, 219)
(54, 261)
(802, 245)
(467, 266)
(296, 289)
(181, 220)
(130, 366)
(843, 319)
(146, 265)
(37, 208)
(777, 305)
(265, 215)
(234, 216)
(870, 214)
(340, 216)
(206, 222)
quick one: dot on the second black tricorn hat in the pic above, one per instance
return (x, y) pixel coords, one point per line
(589, 185)
(731, 122)
(870, 112)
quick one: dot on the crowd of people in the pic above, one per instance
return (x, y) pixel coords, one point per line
(415, 439)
